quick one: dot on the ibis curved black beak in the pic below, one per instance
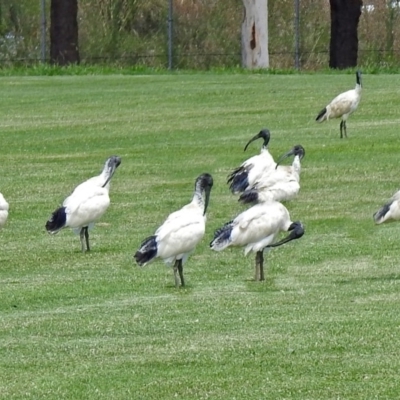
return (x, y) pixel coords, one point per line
(264, 133)
(297, 231)
(358, 77)
(297, 150)
(283, 156)
(112, 164)
(207, 199)
(205, 182)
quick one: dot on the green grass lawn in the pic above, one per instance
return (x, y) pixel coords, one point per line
(324, 325)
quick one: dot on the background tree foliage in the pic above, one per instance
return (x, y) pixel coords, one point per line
(206, 32)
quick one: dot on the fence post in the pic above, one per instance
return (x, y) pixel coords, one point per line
(297, 34)
(43, 30)
(170, 34)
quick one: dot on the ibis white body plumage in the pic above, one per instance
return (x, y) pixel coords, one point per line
(390, 211)
(342, 106)
(85, 205)
(248, 173)
(282, 183)
(4, 207)
(181, 232)
(257, 228)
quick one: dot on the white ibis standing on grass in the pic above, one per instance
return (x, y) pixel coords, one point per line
(250, 170)
(256, 229)
(3, 210)
(389, 211)
(87, 203)
(342, 106)
(280, 184)
(179, 235)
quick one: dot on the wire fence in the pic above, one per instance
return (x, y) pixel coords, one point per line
(195, 34)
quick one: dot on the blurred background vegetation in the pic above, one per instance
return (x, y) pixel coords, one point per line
(206, 33)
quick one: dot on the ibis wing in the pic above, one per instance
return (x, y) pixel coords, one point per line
(272, 177)
(396, 196)
(257, 222)
(3, 203)
(389, 211)
(344, 103)
(178, 220)
(3, 210)
(84, 207)
(180, 234)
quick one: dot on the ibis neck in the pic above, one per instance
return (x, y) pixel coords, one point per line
(199, 198)
(296, 164)
(105, 177)
(200, 201)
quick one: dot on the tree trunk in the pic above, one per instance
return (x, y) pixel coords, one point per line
(345, 15)
(255, 34)
(64, 32)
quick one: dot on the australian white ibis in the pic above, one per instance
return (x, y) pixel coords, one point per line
(342, 106)
(257, 229)
(3, 210)
(389, 211)
(87, 203)
(280, 184)
(179, 235)
(250, 170)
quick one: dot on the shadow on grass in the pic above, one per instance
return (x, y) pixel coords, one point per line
(388, 277)
(181, 290)
(268, 285)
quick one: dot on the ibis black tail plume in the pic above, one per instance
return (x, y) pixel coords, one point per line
(222, 237)
(147, 251)
(249, 196)
(57, 220)
(380, 214)
(238, 180)
(321, 115)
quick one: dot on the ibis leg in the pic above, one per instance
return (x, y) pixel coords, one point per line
(180, 270)
(345, 128)
(341, 129)
(87, 238)
(259, 275)
(81, 236)
(260, 261)
(261, 258)
(257, 270)
(176, 277)
(84, 236)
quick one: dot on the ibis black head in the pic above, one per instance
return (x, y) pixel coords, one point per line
(296, 230)
(203, 184)
(358, 77)
(114, 160)
(110, 166)
(297, 150)
(265, 134)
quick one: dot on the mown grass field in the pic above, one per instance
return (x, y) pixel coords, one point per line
(324, 325)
